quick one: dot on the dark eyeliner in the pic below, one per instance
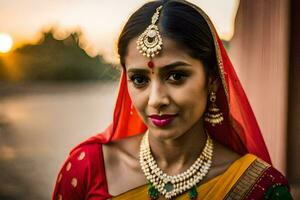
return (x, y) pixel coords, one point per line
(134, 77)
(182, 74)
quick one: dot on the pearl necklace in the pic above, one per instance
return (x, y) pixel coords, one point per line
(171, 186)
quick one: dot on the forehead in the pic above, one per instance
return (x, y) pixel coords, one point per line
(171, 51)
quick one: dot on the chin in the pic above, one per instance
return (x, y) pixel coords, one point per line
(164, 134)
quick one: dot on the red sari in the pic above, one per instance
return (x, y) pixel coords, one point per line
(83, 174)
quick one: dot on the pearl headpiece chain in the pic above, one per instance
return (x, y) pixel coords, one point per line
(149, 43)
(172, 185)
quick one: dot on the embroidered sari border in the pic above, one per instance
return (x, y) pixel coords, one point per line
(247, 181)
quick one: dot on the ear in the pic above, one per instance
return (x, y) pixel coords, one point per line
(213, 84)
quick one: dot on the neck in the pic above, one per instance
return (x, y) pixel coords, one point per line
(176, 155)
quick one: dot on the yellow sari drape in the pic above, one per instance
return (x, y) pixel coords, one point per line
(216, 188)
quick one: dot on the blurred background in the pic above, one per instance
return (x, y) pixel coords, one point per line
(59, 76)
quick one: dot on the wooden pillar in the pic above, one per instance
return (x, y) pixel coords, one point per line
(293, 145)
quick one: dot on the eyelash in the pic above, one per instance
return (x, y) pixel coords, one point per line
(145, 80)
(134, 77)
(181, 74)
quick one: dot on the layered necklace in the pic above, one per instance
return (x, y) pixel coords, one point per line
(171, 186)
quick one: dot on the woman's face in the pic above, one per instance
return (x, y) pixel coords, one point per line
(176, 88)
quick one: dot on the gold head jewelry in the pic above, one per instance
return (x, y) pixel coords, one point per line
(149, 42)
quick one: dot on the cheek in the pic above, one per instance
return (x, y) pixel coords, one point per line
(138, 99)
(193, 98)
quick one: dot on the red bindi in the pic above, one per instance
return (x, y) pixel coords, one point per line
(150, 64)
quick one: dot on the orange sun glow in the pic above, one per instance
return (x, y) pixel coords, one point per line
(6, 43)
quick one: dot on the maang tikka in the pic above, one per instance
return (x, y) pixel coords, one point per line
(149, 42)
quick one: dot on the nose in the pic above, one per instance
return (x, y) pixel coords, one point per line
(158, 95)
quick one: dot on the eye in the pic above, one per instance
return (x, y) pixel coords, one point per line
(139, 80)
(177, 76)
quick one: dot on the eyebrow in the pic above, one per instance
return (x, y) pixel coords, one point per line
(162, 69)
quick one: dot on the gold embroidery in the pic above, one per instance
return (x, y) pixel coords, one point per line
(81, 156)
(249, 178)
(74, 182)
(69, 165)
(59, 178)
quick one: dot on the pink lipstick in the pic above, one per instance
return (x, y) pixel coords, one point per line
(162, 120)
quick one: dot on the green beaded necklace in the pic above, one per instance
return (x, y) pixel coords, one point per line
(153, 193)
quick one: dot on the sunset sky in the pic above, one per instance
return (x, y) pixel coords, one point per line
(99, 20)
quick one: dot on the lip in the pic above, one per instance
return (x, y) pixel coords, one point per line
(162, 120)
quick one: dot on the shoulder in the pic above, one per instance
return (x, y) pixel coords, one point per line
(82, 175)
(127, 146)
(260, 180)
(222, 160)
(120, 153)
(266, 172)
(274, 183)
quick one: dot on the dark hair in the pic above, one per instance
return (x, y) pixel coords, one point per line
(177, 21)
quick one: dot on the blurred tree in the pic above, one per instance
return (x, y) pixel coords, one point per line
(2, 72)
(57, 60)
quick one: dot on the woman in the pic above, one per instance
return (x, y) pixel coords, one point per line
(182, 127)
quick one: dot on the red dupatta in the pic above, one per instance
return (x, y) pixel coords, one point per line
(239, 130)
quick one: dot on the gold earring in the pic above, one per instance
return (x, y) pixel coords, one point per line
(213, 116)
